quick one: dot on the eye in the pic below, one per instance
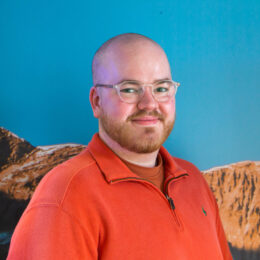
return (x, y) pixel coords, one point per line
(161, 89)
(129, 90)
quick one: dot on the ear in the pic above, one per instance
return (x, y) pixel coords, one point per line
(94, 98)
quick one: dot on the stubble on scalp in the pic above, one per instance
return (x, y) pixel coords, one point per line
(102, 55)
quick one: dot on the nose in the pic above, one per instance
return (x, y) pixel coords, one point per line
(147, 101)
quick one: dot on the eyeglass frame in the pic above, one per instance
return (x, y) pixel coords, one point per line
(117, 85)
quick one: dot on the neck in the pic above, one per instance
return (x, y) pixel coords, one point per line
(142, 159)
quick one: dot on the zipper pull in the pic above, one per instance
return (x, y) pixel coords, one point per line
(170, 201)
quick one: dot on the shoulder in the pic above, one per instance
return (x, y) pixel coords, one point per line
(195, 175)
(196, 178)
(186, 165)
(55, 184)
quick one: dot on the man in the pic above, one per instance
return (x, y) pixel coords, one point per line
(124, 196)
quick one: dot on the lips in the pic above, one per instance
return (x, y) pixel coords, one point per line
(146, 120)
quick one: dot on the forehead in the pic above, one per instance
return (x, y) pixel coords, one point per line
(142, 61)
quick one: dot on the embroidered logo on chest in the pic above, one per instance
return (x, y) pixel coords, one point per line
(204, 211)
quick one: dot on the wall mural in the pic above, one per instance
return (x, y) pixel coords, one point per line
(235, 187)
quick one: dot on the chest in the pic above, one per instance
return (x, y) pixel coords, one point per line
(139, 221)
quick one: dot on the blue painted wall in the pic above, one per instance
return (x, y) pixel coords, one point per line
(46, 48)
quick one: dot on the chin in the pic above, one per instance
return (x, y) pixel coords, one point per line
(145, 143)
(145, 147)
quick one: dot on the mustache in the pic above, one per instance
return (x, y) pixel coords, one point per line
(142, 113)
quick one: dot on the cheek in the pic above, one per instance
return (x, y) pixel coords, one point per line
(117, 110)
(168, 109)
(123, 111)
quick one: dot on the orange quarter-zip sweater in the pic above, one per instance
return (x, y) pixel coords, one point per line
(94, 207)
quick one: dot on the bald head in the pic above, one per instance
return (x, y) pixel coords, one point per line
(125, 46)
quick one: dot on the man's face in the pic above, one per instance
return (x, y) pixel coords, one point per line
(141, 127)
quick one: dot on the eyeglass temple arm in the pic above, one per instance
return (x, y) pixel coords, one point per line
(105, 86)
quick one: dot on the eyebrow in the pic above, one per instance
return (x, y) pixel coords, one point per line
(137, 81)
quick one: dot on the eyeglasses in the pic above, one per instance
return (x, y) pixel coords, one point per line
(131, 91)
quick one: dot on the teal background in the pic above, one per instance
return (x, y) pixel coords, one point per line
(46, 49)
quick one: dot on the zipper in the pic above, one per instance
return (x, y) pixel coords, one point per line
(170, 202)
(165, 195)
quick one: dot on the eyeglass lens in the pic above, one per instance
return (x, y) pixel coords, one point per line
(131, 92)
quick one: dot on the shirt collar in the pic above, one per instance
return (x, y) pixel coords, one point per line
(113, 168)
